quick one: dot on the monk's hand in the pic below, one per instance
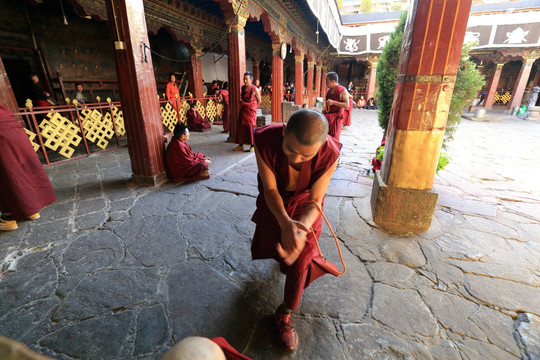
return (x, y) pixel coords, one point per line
(293, 240)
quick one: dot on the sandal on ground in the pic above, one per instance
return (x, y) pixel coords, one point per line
(287, 335)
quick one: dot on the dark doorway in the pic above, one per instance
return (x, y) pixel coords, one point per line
(18, 72)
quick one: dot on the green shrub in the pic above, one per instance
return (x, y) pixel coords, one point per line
(444, 159)
(387, 72)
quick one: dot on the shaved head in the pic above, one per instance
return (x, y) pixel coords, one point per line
(308, 126)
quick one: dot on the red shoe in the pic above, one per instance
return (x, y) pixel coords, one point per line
(287, 335)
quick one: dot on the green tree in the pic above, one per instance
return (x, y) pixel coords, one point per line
(387, 72)
(468, 82)
(366, 6)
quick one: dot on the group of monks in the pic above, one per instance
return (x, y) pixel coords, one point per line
(295, 163)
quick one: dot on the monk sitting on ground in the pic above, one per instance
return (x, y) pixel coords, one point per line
(196, 121)
(295, 162)
(181, 162)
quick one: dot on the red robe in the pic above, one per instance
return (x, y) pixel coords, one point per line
(225, 94)
(336, 114)
(230, 352)
(348, 113)
(247, 119)
(182, 163)
(25, 188)
(173, 95)
(267, 232)
(196, 122)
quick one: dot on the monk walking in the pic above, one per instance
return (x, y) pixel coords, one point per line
(295, 162)
(25, 188)
(247, 119)
(181, 162)
(336, 101)
(195, 121)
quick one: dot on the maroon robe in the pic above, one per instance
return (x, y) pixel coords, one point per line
(247, 119)
(182, 163)
(225, 94)
(336, 114)
(230, 352)
(267, 232)
(196, 122)
(348, 114)
(25, 188)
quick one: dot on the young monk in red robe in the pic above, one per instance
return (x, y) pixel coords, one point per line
(195, 120)
(337, 100)
(295, 165)
(181, 163)
(348, 111)
(224, 98)
(172, 93)
(247, 119)
(25, 188)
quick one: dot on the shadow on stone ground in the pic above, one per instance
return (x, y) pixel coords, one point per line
(117, 271)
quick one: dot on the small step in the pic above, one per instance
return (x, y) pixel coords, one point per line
(263, 120)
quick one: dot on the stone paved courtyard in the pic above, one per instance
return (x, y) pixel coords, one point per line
(113, 270)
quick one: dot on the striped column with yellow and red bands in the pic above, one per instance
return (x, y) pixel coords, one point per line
(429, 61)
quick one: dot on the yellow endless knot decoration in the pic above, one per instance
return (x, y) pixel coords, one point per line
(97, 129)
(118, 120)
(211, 110)
(169, 116)
(266, 103)
(59, 132)
(31, 137)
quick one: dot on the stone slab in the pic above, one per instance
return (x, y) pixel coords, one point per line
(402, 310)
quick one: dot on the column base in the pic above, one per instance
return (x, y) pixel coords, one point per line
(154, 180)
(401, 211)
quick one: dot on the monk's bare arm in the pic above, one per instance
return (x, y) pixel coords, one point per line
(271, 193)
(318, 190)
(258, 96)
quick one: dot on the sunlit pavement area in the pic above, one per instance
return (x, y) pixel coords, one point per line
(113, 270)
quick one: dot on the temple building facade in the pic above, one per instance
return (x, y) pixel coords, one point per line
(122, 53)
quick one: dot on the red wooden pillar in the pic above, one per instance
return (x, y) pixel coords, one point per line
(299, 78)
(323, 82)
(237, 68)
(488, 102)
(521, 83)
(195, 74)
(536, 77)
(138, 90)
(318, 74)
(372, 80)
(256, 71)
(7, 96)
(309, 84)
(402, 200)
(277, 83)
